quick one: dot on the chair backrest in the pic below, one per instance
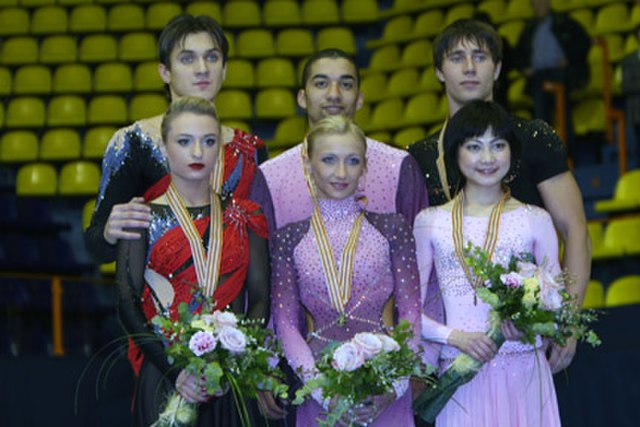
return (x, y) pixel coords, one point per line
(496, 9)
(374, 86)
(519, 9)
(58, 49)
(623, 291)
(32, 80)
(385, 58)
(159, 14)
(6, 81)
(289, 131)
(428, 23)
(25, 112)
(72, 79)
(594, 298)
(107, 110)
(418, 53)
(281, 13)
(628, 186)
(36, 179)
(241, 14)
(359, 11)
(234, 104)
(240, 74)
(18, 146)
(146, 77)
(14, 21)
(409, 135)
(147, 105)
(125, 17)
(336, 37)
(19, 50)
(429, 80)
(60, 144)
(511, 31)
(320, 12)
(255, 43)
(275, 72)
(612, 18)
(49, 20)
(422, 109)
(96, 140)
(112, 77)
(623, 233)
(398, 28)
(67, 110)
(209, 8)
(403, 82)
(387, 113)
(137, 47)
(295, 42)
(79, 178)
(98, 48)
(88, 18)
(275, 103)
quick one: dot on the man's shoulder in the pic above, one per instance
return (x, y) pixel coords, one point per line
(286, 157)
(385, 150)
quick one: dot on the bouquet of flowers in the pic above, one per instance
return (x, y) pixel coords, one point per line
(226, 351)
(524, 293)
(367, 365)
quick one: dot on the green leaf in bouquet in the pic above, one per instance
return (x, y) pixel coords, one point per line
(489, 297)
(213, 374)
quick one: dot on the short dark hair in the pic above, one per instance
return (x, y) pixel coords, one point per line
(467, 30)
(473, 120)
(331, 54)
(181, 26)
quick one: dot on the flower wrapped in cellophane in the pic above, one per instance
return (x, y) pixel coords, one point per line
(370, 364)
(227, 352)
(537, 303)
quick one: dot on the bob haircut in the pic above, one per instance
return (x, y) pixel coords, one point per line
(187, 104)
(334, 125)
(471, 121)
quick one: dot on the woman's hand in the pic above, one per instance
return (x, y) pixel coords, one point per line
(475, 344)
(134, 214)
(366, 412)
(269, 407)
(510, 332)
(191, 387)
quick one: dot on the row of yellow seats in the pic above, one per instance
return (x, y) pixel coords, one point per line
(621, 237)
(141, 46)
(78, 178)
(422, 109)
(626, 196)
(54, 145)
(404, 82)
(622, 291)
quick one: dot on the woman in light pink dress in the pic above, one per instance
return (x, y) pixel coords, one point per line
(515, 385)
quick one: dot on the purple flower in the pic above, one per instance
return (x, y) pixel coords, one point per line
(232, 339)
(202, 342)
(511, 280)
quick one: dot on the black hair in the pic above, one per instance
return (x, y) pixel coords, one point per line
(331, 54)
(467, 30)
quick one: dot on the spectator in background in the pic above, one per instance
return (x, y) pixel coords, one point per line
(631, 87)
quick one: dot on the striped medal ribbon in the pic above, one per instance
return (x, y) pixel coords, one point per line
(490, 240)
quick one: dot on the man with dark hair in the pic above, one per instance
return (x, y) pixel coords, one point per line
(467, 57)
(392, 183)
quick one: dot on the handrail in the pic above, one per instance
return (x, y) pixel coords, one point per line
(57, 319)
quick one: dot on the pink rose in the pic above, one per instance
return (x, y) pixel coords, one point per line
(511, 280)
(368, 344)
(202, 342)
(232, 339)
(388, 344)
(347, 357)
(221, 319)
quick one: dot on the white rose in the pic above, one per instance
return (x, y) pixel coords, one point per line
(526, 269)
(347, 357)
(232, 339)
(224, 318)
(388, 344)
(369, 344)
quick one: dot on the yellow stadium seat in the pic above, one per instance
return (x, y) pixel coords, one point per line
(240, 74)
(422, 109)
(281, 13)
(159, 14)
(387, 114)
(19, 50)
(96, 140)
(234, 104)
(518, 9)
(381, 135)
(429, 80)
(32, 80)
(623, 233)
(98, 48)
(36, 3)
(428, 23)
(623, 291)
(87, 213)
(406, 5)
(1, 114)
(14, 21)
(635, 15)
(60, 144)
(517, 96)
(374, 86)
(320, 12)
(147, 78)
(4, 3)
(598, 248)
(58, 49)
(106, 110)
(385, 58)
(462, 11)
(397, 29)
(631, 43)
(594, 298)
(254, 44)
(66, 110)
(275, 72)
(407, 136)
(6, 81)
(613, 18)
(565, 5)
(36, 179)
(147, 105)
(495, 9)
(359, 11)
(289, 132)
(18, 146)
(208, 8)
(25, 112)
(295, 42)
(49, 20)
(511, 31)
(585, 17)
(238, 124)
(137, 47)
(72, 78)
(626, 196)
(363, 116)
(232, 44)
(418, 53)
(88, 18)
(403, 82)
(79, 178)
(241, 14)
(588, 116)
(275, 103)
(615, 46)
(112, 77)
(336, 37)
(73, 2)
(125, 17)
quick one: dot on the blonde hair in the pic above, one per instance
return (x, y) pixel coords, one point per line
(333, 125)
(187, 104)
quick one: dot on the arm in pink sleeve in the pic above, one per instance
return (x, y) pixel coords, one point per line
(545, 240)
